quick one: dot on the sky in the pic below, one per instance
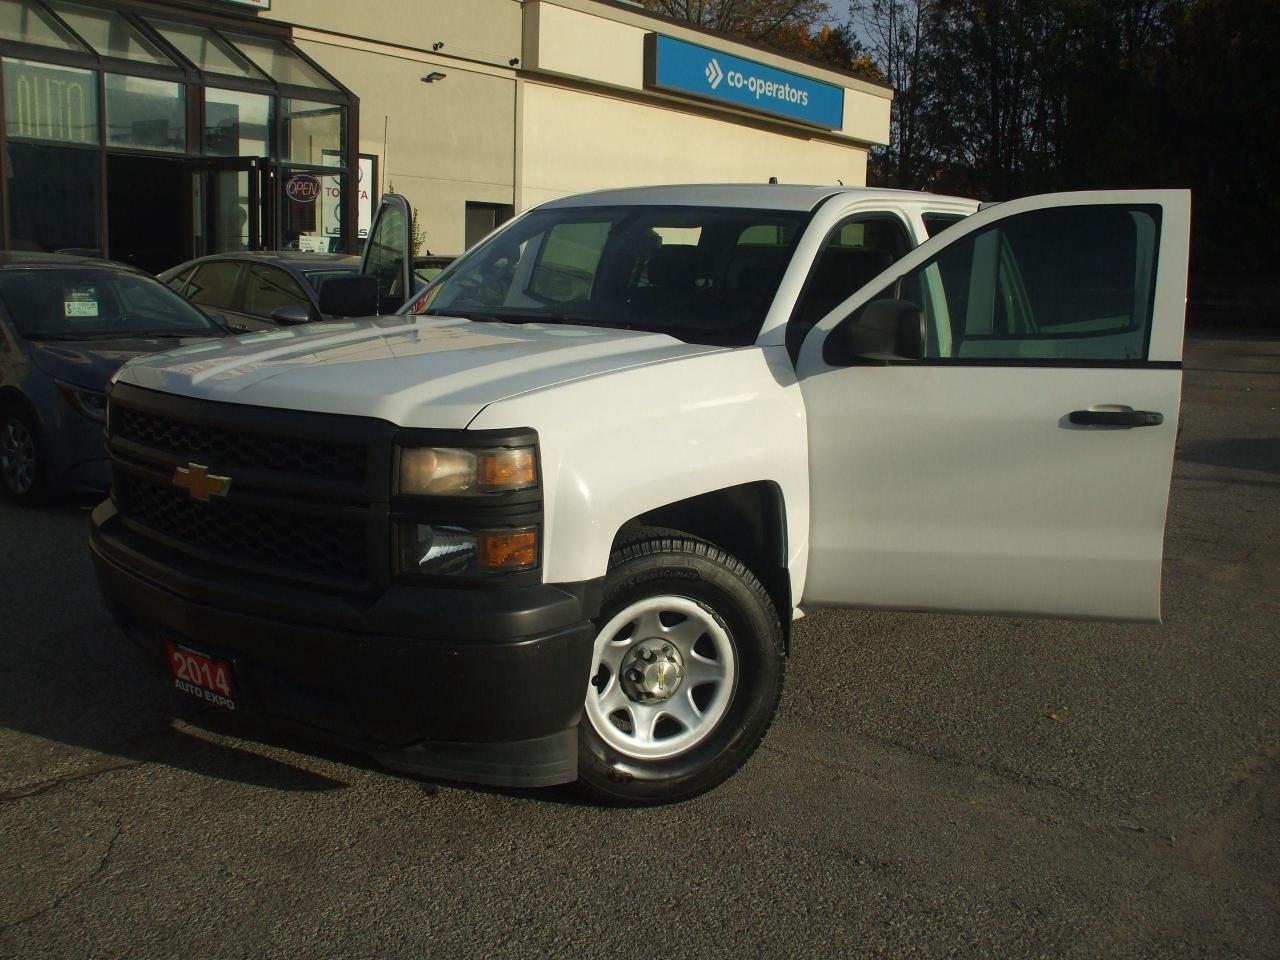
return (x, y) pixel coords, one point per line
(839, 10)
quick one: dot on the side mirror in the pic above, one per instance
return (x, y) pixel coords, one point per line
(291, 315)
(881, 331)
(349, 297)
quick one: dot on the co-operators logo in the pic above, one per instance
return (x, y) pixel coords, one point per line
(714, 73)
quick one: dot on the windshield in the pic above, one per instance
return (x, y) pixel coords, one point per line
(84, 303)
(701, 274)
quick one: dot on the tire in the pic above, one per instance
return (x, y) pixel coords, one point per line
(686, 672)
(22, 474)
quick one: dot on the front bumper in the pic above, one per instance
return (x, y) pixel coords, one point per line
(485, 686)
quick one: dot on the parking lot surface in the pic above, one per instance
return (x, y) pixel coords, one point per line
(933, 786)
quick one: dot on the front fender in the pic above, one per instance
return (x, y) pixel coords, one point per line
(621, 444)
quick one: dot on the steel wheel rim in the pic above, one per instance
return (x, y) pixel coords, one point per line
(662, 728)
(17, 457)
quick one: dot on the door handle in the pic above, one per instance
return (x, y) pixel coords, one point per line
(1116, 418)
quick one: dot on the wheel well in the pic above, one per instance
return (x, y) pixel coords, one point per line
(12, 398)
(748, 521)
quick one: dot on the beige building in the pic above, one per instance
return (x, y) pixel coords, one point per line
(277, 123)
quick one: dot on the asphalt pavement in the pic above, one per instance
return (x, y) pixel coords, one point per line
(933, 786)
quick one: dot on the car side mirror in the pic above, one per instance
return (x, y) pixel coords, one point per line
(349, 297)
(291, 315)
(881, 331)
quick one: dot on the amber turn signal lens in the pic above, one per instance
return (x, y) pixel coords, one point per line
(509, 550)
(512, 469)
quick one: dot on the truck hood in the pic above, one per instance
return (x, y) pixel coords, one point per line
(411, 371)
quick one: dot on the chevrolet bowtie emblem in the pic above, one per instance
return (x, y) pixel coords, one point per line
(200, 483)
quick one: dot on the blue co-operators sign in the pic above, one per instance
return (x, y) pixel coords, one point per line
(683, 67)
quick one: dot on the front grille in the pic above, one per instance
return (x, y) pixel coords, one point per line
(308, 497)
(330, 547)
(322, 459)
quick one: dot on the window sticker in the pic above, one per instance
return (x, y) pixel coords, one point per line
(80, 302)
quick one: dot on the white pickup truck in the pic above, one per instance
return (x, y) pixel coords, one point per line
(551, 518)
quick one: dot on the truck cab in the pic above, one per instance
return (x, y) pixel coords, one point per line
(554, 518)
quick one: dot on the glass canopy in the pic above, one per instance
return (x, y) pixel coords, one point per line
(26, 23)
(279, 62)
(205, 49)
(110, 34)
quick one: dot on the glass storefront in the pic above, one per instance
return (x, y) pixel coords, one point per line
(237, 123)
(46, 102)
(220, 131)
(146, 114)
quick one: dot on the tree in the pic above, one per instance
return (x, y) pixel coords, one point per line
(791, 26)
(898, 32)
(760, 21)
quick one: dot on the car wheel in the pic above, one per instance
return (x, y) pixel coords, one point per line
(21, 471)
(686, 671)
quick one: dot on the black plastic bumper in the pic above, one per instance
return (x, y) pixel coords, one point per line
(485, 686)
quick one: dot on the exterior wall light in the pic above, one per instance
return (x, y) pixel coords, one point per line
(434, 76)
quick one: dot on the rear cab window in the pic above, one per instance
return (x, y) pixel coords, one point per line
(935, 223)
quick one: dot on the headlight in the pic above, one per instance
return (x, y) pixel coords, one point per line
(461, 472)
(445, 550)
(88, 402)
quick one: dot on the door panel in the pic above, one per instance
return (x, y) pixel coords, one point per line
(959, 482)
(227, 208)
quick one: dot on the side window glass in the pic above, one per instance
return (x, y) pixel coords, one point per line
(566, 268)
(1065, 283)
(269, 288)
(214, 284)
(179, 281)
(935, 223)
(386, 252)
(857, 251)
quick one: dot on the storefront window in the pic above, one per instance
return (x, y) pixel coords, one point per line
(279, 62)
(146, 114)
(44, 102)
(311, 211)
(108, 33)
(236, 123)
(205, 49)
(26, 23)
(54, 198)
(312, 133)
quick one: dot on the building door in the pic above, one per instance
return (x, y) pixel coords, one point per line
(227, 209)
(146, 225)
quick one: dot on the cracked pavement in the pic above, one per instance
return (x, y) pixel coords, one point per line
(932, 787)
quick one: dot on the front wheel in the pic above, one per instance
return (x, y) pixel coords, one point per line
(21, 469)
(686, 671)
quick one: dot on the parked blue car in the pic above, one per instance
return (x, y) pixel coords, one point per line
(66, 325)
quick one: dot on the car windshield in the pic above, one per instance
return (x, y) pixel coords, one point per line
(87, 303)
(700, 274)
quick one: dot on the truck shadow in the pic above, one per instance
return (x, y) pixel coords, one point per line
(68, 677)
(70, 682)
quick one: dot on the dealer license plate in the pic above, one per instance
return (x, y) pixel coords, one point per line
(201, 677)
